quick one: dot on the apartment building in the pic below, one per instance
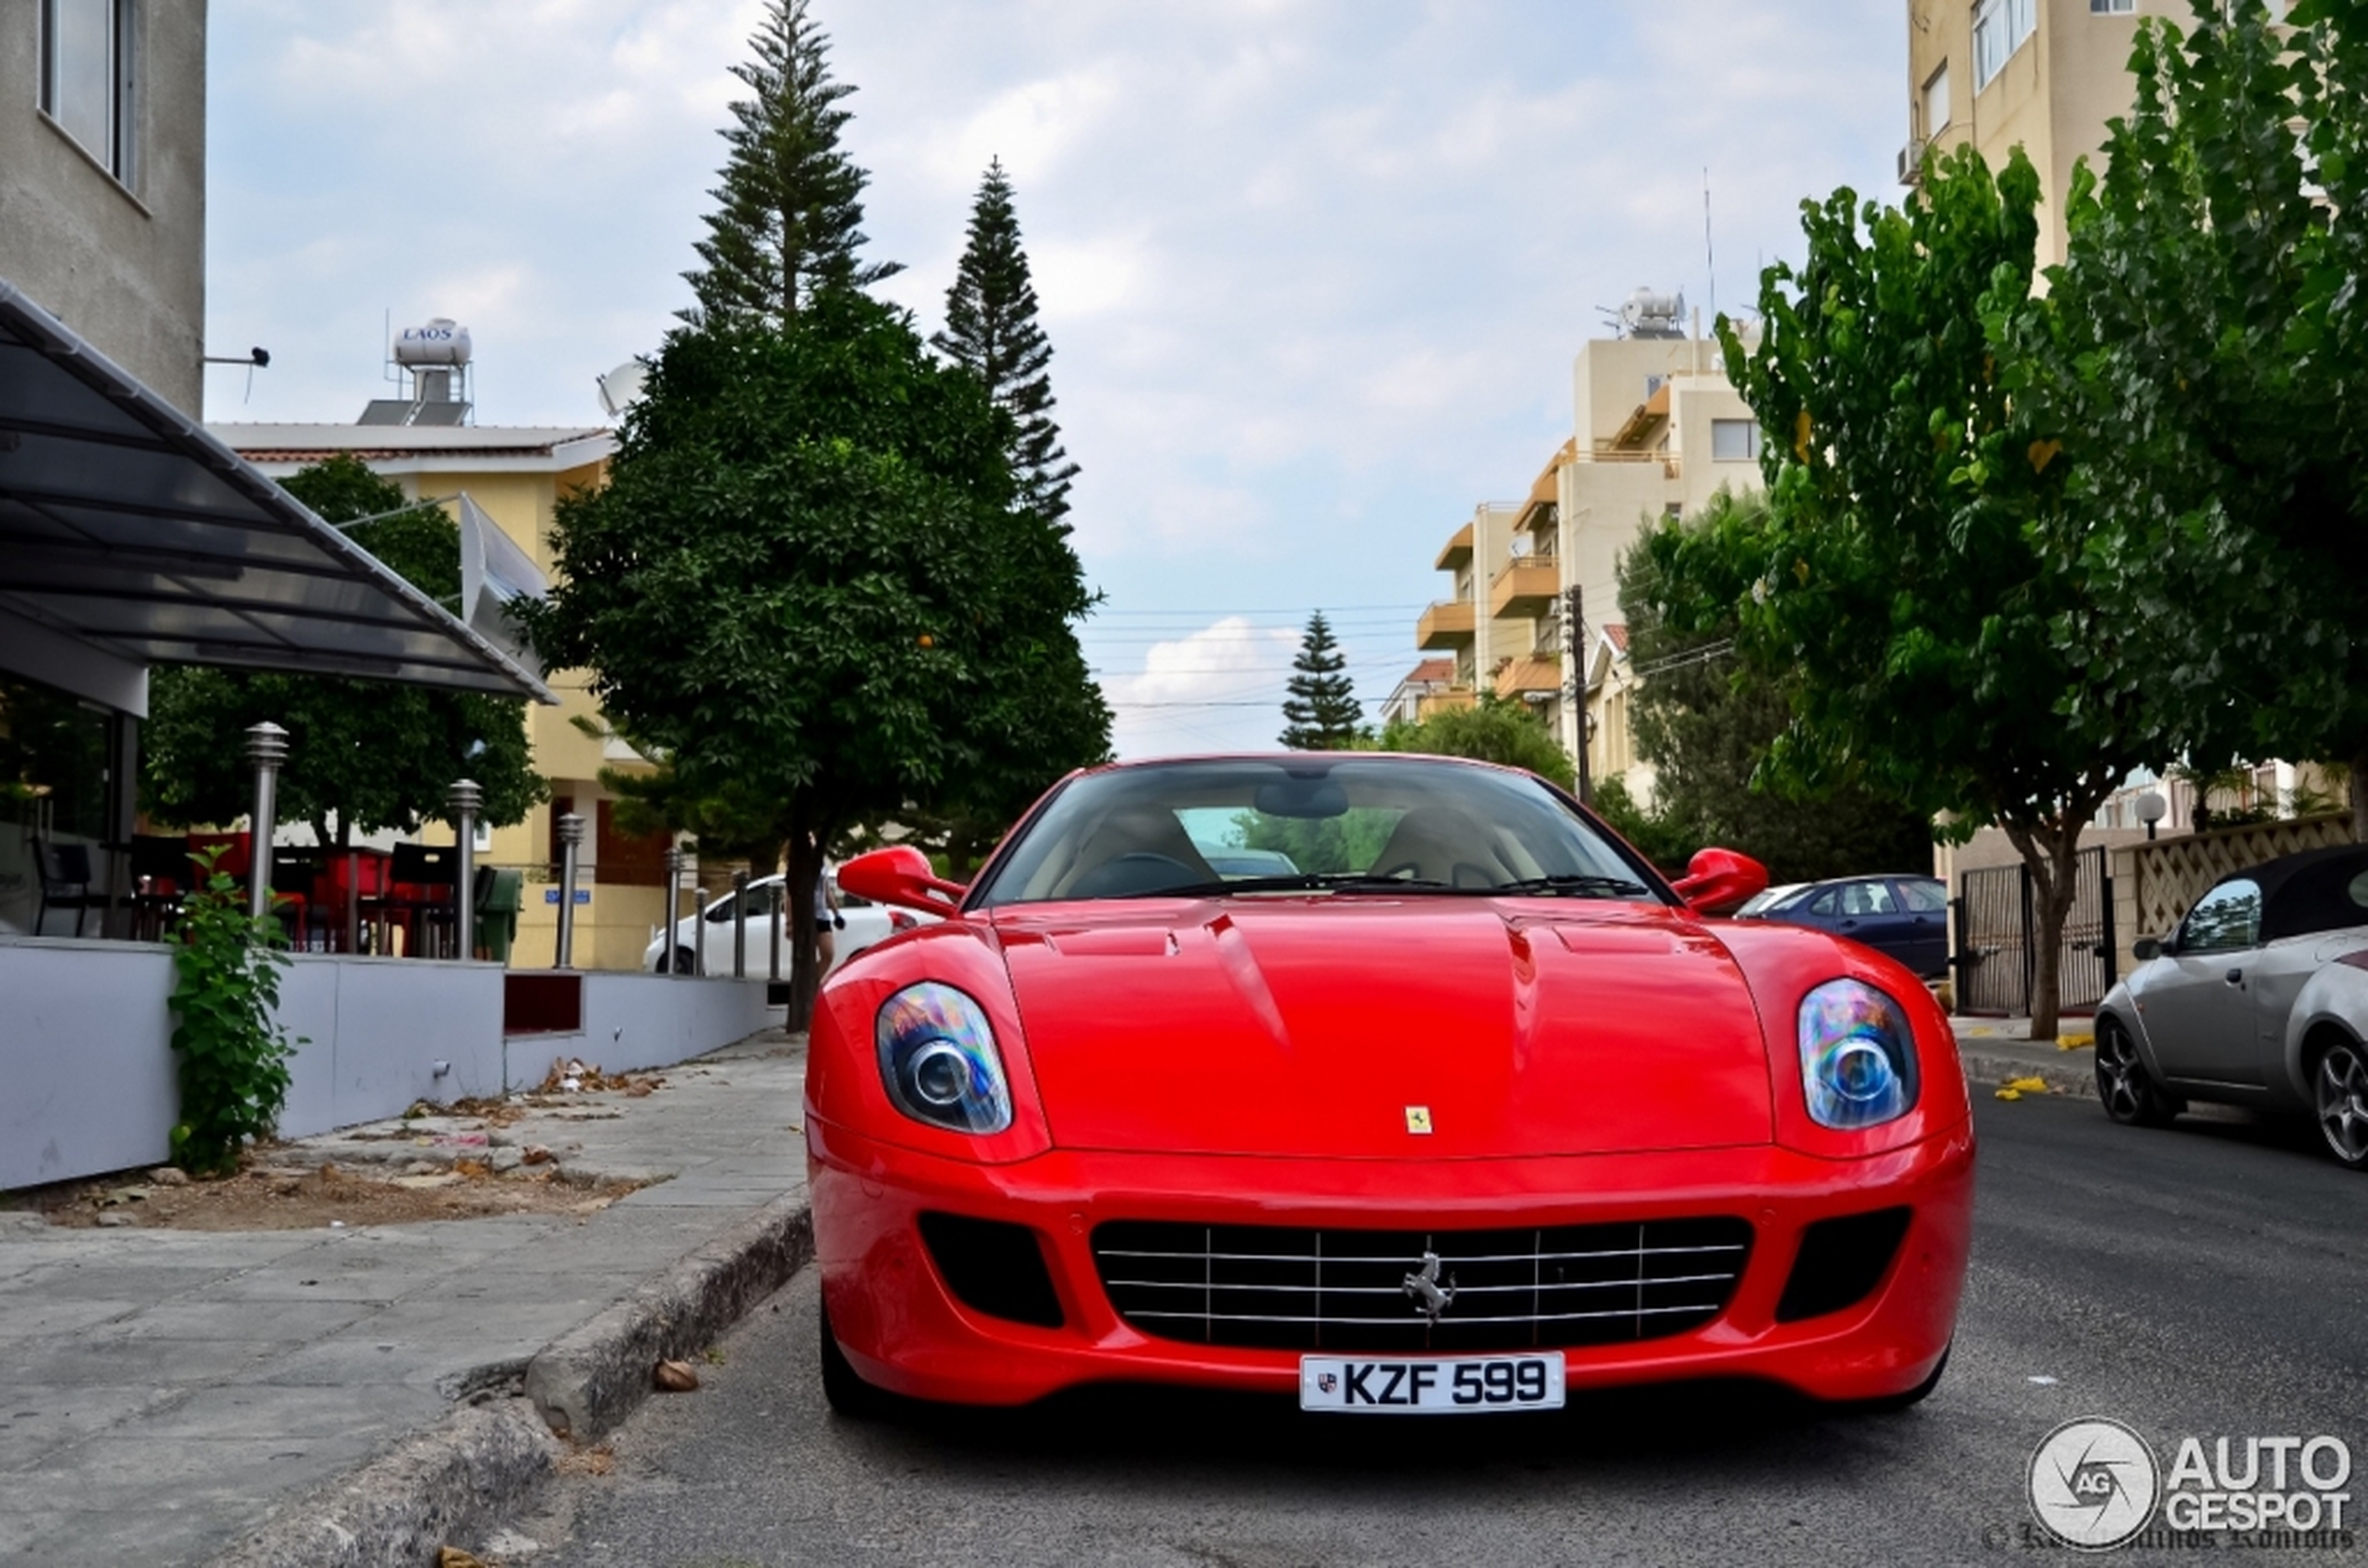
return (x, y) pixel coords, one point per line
(2044, 75)
(1658, 431)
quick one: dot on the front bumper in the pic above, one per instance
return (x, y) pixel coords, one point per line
(904, 1329)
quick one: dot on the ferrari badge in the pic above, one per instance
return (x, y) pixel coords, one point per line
(1418, 1119)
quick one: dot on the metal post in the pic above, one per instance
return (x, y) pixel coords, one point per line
(698, 931)
(570, 835)
(465, 797)
(740, 924)
(1574, 629)
(780, 928)
(673, 909)
(267, 748)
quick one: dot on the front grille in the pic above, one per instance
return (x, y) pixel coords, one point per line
(1271, 1288)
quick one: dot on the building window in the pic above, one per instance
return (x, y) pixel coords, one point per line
(1936, 102)
(85, 76)
(2000, 28)
(1734, 440)
(2111, 8)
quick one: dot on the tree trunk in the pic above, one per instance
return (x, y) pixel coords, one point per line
(804, 873)
(2359, 794)
(2051, 853)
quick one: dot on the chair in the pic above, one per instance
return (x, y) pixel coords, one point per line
(161, 874)
(291, 885)
(66, 883)
(425, 880)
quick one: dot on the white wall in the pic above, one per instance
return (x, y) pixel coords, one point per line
(87, 1078)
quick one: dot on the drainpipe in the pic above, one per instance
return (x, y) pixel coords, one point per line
(267, 748)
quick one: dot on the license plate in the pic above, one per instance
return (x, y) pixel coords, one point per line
(1430, 1384)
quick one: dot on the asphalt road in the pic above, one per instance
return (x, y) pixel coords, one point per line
(2207, 1280)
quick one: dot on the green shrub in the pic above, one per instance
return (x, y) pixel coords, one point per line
(234, 1075)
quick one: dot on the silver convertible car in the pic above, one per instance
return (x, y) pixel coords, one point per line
(2260, 998)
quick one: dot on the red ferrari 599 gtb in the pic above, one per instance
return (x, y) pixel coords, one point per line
(1397, 1081)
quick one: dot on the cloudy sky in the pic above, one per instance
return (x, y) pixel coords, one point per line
(1315, 270)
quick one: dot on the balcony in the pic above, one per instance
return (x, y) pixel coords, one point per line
(1445, 626)
(1533, 674)
(1453, 699)
(1525, 587)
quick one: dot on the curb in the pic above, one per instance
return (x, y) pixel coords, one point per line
(455, 1481)
(588, 1380)
(1983, 1067)
(464, 1477)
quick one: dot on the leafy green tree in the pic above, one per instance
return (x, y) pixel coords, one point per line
(1491, 730)
(1919, 580)
(790, 211)
(991, 331)
(809, 583)
(1322, 712)
(363, 755)
(2205, 347)
(1704, 722)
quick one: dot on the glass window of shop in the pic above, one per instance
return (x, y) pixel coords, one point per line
(56, 759)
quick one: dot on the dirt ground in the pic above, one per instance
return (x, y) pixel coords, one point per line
(268, 1199)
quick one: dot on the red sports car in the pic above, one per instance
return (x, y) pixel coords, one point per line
(1397, 1081)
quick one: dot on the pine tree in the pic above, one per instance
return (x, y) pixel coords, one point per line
(991, 331)
(790, 210)
(1322, 713)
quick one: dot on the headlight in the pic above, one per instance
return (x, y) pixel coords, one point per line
(938, 1058)
(1857, 1055)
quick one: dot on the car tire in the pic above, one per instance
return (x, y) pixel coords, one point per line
(2129, 1092)
(1915, 1396)
(849, 1394)
(685, 962)
(2339, 1102)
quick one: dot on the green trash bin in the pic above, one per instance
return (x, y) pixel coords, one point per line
(498, 913)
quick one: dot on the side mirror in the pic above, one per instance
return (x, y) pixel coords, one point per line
(1716, 880)
(900, 875)
(2146, 948)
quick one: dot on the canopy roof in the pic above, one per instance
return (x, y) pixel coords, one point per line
(125, 525)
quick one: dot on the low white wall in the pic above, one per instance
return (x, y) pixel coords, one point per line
(87, 1077)
(376, 1029)
(635, 1021)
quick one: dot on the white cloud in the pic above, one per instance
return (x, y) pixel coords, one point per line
(1216, 689)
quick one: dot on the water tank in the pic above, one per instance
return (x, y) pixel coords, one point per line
(441, 342)
(1650, 314)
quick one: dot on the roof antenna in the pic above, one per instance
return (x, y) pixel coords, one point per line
(1710, 256)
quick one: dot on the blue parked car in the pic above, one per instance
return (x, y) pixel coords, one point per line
(1904, 917)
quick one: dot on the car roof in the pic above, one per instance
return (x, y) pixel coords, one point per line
(2305, 891)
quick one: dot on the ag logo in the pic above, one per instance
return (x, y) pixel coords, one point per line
(2093, 1483)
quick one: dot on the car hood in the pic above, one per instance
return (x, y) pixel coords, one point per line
(1326, 1027)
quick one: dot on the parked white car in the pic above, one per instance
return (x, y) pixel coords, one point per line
(867, 925)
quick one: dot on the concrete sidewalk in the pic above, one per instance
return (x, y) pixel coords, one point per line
(1999, 1050)
(177, 1396)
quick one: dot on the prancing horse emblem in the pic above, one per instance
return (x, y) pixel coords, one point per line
(1431, 1298)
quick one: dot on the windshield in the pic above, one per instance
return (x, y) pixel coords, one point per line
(1299, 824)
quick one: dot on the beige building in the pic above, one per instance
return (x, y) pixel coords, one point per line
(518, 476)
(2044, 75)
(1658, 431)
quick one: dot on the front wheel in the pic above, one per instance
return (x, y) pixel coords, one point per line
(2130, 1094)
(2340, 1100)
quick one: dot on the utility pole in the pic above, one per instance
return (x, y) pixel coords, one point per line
(1574, 633)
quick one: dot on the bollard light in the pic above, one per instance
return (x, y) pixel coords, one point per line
(667, 964)
(267, 748)
(465, 798)
(570, 836)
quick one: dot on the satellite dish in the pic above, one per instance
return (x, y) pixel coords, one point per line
(494, 572)
(621, 388)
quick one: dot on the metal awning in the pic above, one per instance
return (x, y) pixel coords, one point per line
(125, 525)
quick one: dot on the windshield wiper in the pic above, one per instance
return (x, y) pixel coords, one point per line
(1301, 882)
(1585, 885)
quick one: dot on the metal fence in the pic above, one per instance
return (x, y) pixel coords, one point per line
(1997, 925)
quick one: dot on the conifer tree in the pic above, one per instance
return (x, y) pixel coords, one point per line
(789, 213)
(991, 331)
(1322, 713)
